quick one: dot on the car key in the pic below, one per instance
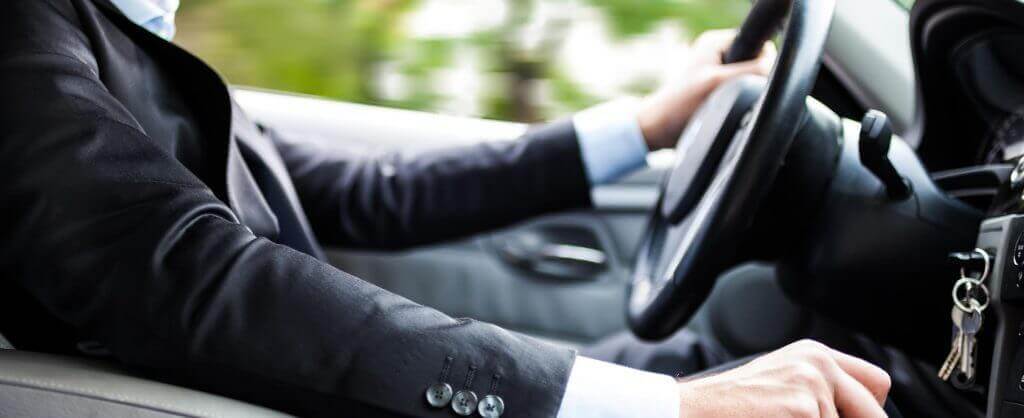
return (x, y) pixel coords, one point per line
(953, 359)
(969, 327)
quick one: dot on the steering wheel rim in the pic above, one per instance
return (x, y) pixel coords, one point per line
(667, 289)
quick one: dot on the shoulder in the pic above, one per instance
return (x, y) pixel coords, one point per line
(45, 27)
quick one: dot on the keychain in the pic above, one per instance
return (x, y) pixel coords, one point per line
(970, 299)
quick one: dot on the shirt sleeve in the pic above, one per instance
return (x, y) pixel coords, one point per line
(610, 140)
(603, 390)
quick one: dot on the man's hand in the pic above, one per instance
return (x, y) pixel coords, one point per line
(803, 380)
(665, 113)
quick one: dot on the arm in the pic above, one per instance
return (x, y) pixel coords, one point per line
(396, 201)
(118, 239)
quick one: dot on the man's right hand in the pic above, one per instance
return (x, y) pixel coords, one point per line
(803, 380)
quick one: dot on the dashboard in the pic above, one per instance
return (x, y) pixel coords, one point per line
(969, 63)
(990, 70)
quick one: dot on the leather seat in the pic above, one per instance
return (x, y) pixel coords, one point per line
(43, 385)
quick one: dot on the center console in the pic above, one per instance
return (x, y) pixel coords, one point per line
(1003, 237)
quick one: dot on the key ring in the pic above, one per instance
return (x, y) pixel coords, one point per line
(984, 271)
(975, 305)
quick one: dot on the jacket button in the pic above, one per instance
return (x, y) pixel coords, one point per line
(492, 406)
(464, 402)
(439, 394)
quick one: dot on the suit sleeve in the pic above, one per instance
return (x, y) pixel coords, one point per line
(394, 201)
(117, 238)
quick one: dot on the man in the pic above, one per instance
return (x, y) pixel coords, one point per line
(144, 210)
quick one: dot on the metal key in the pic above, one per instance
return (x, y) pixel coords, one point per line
(969, 327)
(953, 359)
(964, 378)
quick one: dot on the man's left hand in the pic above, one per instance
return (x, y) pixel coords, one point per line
(665, 113)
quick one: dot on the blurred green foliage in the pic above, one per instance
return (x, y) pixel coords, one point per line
(335, 48)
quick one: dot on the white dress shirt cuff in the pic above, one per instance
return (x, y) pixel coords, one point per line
(611, 141)
(603, 390)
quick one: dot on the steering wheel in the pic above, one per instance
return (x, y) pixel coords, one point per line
(727, 161)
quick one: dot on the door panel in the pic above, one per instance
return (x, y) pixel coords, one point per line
(562, 277)
(474, 278)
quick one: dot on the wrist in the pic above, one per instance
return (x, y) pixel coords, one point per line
(686, 402)
(665, 114)
(653, 123)
(693, 400)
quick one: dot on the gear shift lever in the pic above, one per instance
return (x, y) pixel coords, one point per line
(875, 139)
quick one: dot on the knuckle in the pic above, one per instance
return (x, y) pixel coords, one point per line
(809, 344)
(804, 407)
(807, 376)
(814, 352)
(882, 384)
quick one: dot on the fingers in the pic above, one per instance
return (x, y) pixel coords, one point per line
(853, 400)
(859, 388)
(875, 380)
(769, 53)
(762, 65)
(730, 71)
(765, 60)
(827, 409)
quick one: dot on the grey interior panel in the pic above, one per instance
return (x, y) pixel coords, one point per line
(475, 278)
(40, 385)
(367, 127)
(881, 77)
(472, 278)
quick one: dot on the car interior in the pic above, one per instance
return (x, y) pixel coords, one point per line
(846, 188)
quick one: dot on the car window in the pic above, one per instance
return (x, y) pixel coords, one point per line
(521, 60)
(905, 3)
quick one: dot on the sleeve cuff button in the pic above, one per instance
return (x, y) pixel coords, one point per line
(439, 394)
(464, 402)
(492, 406)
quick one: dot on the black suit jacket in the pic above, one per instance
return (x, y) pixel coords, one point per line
(142, 208)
